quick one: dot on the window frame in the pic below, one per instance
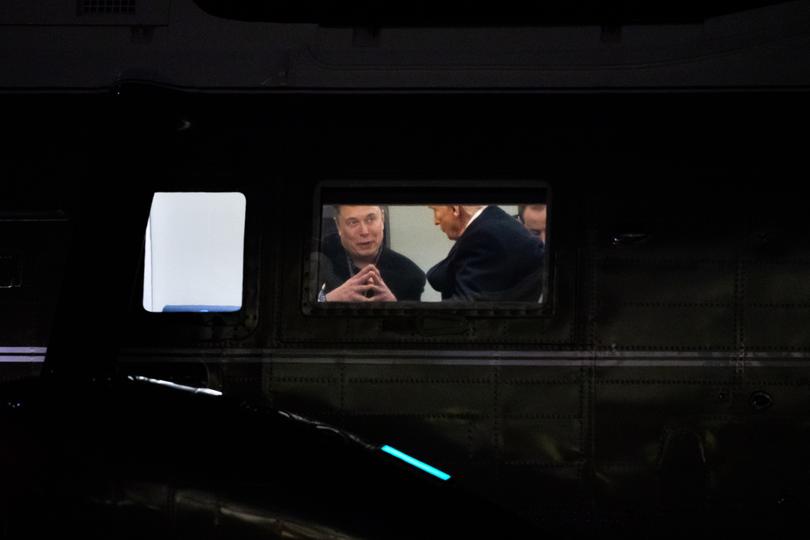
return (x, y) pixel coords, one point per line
(150, 328)
(442, 187)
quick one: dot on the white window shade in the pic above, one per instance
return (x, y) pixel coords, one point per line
(195, 252)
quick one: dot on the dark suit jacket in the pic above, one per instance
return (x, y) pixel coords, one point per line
(405, 279)
(495, 259)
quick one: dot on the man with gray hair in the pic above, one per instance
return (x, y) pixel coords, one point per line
(494, 258)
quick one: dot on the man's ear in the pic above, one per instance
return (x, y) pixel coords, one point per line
(456, 209)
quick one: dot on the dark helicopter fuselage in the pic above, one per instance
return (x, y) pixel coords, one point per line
(659, 385)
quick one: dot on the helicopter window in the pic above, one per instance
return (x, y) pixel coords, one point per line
(194, 252)
(430, 252)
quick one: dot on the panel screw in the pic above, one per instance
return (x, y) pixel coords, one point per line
(761, 401)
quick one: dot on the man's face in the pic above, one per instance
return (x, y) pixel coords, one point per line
(534, 219)
(448, 219)
(360, 229)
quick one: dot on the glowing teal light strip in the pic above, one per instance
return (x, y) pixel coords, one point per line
(415, 462)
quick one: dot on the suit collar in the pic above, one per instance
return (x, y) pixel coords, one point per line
(486, 213)
(475, 216)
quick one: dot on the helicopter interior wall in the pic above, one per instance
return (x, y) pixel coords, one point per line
(677, 252)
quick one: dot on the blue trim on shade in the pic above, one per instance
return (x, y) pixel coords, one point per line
(199, 309)
(415, 462)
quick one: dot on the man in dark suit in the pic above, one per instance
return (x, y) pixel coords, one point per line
(357, 267)
(494, 258)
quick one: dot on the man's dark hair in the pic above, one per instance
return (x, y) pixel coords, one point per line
(336, 208)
